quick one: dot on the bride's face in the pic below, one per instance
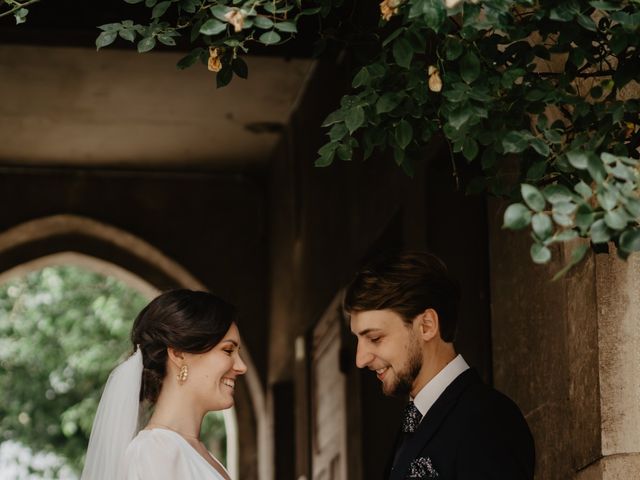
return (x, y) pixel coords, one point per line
(212, 375)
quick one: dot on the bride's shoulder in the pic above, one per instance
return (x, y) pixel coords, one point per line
(148, 442)
(154, 455)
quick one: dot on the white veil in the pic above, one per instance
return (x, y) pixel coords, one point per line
(116, 422)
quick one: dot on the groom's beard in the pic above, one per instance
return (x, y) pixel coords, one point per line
(406, 376)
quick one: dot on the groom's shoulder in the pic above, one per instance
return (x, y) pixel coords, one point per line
(485, 404)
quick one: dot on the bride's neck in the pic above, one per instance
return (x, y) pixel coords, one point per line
(174, 410)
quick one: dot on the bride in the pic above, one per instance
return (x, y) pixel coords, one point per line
(185, 363)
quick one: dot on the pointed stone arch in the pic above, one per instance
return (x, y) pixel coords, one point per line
(82, 241)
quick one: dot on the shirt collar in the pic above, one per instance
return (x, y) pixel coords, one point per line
(426, 397)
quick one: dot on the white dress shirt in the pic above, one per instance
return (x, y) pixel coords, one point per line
(426, 397)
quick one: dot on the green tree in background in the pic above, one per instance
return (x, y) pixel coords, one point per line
(62, 330)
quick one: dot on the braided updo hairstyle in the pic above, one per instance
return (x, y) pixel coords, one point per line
(186, 320)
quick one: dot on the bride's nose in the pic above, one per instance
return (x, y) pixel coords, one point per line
(239, 366)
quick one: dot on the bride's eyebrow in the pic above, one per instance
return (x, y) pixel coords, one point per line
(228, 340)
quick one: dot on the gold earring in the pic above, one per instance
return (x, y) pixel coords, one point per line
(182, 376)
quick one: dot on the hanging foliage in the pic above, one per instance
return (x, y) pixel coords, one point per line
(548, 86)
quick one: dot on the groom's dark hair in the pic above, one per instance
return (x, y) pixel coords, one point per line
(189, 321)
(406, 283)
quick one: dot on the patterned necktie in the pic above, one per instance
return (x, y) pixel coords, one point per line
(411, 418)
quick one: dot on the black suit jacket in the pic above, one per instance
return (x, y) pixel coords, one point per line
(472, 432)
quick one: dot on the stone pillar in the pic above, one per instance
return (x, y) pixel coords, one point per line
(618, 299)
(568, 353)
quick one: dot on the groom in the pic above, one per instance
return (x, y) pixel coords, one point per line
(403, 312)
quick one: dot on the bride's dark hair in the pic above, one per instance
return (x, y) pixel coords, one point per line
(189, 321)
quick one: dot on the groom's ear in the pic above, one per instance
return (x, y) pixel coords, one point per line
(175, 356)
(428, 324)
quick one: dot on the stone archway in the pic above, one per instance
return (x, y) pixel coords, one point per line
(82, 241)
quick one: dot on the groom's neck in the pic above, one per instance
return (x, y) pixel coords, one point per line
(435, 357)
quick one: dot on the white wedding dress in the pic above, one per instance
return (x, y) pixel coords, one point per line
(161, 454)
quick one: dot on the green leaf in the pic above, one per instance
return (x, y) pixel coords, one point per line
(133, 2)
(150, 3)
(387, 102)
(213, 27)
(110, 27)
(288, 27)
(393, 36)
(470, 148)
(541, 147)
(327, 153)
(469, 67)
(402, 52)
(606, 6)
(434, 13)
(630, 240)
(270, 38)
(354, 118)
(219, 11)
(146, 44)
(542, 225)
(166, 40)
(632, 205)
(616, 219)
(562, 219)
(361, 78)
(187, 60)
(453, 48)
(403, 133)
(557, 193)
(554, 136)
(239, 67)
(584, 217)
(596, 169)
(105, 38)
(224, 76)
(515, 142)
(516, 217)
(189, 6)
(263, 22)
(607, 199)
(587, 23)
(599, 232)
(311, 11)
(578, 159)
(333, 117)
(540, 254)
(564, 208)
(537, 170)
(337, 132)
(584, 190)
(128, 34)
(576, 256)
(460, 116)
(565, 236)
(160, 9)
(532, 197)
(344, 152)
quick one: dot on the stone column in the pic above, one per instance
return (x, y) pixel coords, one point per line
(618, 300)
(568, 353)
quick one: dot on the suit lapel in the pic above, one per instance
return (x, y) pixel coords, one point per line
(432, 421)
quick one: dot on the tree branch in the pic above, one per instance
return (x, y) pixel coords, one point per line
(17, 7)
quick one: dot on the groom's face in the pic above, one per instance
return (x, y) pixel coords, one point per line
(390, 347)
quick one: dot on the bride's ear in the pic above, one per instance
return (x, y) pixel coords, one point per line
(175, 356)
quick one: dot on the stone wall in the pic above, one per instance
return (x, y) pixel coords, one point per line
(568, 352)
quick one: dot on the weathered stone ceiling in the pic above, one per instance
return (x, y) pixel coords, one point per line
(117, 108)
